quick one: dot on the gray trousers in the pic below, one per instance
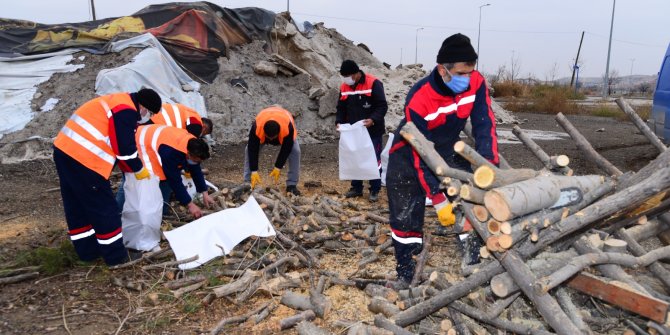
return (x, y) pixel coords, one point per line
(293, 165)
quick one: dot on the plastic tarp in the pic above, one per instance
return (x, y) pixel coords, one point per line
(212, 235)
(196, 34)
(19, 77)
(153, 68)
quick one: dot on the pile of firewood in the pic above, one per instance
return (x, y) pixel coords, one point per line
(589, 229)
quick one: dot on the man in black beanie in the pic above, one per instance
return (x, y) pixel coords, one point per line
(362, 98)
(99, 135)
(439, 105)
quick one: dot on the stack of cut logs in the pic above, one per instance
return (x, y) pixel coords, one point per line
(589, 229)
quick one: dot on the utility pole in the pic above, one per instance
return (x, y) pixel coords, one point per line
(479, 30)
(400, 56)
(416, 46)
(609, 50)
(287, 5)
(575, 67)
(632, 61)
(93, 9)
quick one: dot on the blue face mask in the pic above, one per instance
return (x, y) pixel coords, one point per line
(191, 162)
(458, 84)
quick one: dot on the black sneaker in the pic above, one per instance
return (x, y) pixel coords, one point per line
(374, 196)
(292, 189)
(352, 193)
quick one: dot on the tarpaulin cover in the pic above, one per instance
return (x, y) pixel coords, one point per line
(195, 33)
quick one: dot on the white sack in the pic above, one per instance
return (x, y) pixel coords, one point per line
(385, 157)
(224, 229)
(358, 160)
(142, 213)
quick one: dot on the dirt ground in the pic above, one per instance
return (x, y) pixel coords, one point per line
(31, 216)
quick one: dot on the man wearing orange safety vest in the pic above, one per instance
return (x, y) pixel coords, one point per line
(274, 125)
(362, 98)
(165, 152)
(100, 134)
(184, 117)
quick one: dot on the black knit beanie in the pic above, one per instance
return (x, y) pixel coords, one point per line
(149, 99)
(348, 68)
(456, 48)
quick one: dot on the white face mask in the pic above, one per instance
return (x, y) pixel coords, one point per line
(145, 116)
(349, 81)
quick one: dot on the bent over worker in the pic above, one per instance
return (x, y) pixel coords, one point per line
(439, 105)
(184, 117)
(362, 98)
(165, 151)
(98, 135)
(275, 126)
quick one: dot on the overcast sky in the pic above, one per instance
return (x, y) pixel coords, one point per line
(538, 33)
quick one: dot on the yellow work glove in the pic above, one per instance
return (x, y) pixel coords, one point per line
(255, 179)
(142, 174)
(187, 174)
(445, 213)
(275, 175)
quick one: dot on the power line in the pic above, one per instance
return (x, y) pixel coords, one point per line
(473, 29)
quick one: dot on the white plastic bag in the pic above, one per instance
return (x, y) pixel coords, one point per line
(358, 160)
(213, 235)
(142, 213)
(385, 157)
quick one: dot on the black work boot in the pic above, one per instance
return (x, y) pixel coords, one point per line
(353, 193)
(374, 196)
(292, 189)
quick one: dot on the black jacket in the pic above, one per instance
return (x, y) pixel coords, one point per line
(355, 104)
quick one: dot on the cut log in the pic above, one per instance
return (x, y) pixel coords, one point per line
(308, 328)
(291, 321)
(239, 285)
(505, 241)
(481, 213)
(296, 301)
(321, 304)
(506, 228)
(471, 155)
(507, 202)
(622, 296)
(489, 177)
(379, 305)
(385, 323)
(492, 225)
(472, 194)
(237, 319)
(374, 290)
(586, 147)
(614, 245)
(427, 152)
(551, 163)
(640, 124)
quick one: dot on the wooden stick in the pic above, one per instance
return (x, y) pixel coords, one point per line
(495, 321)
(577, 264)
(489, 176)
(468, 131)
(237, 319)
(170, 263)
(556, 163)
(308, 328)
(384, 323)
(18, 278)
(427, 152)
(569, 307)
(422, 258)
(472, 194)
(471, 155)
(584, 145)
(640, 124)
(291, 321)
(636, 249)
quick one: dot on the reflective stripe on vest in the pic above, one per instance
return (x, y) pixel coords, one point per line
(450, 108)
(85, 136)
(150, 137)
(357, 92)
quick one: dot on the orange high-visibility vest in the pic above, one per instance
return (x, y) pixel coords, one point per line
(176, 115)
(150, 137)
(86, 138)
(364, 88)
(279, 115)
